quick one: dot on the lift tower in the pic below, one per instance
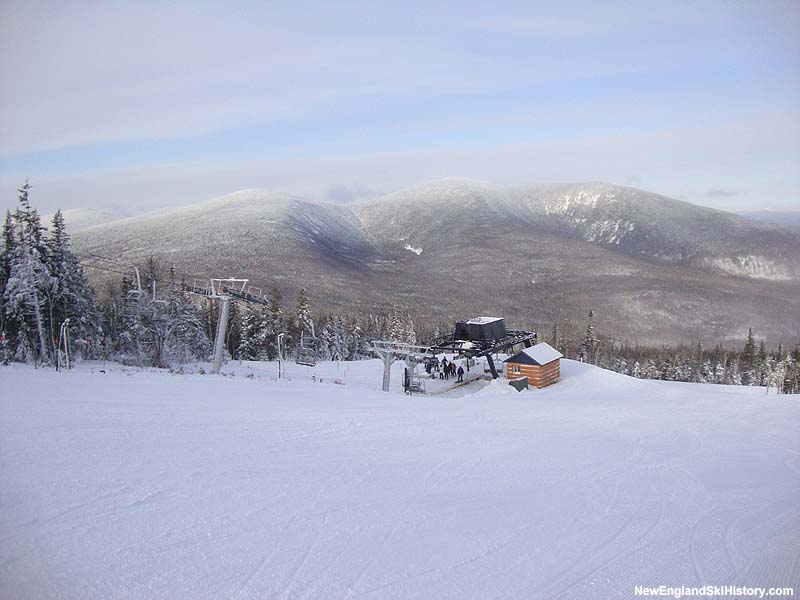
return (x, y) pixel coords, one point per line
(226, 291)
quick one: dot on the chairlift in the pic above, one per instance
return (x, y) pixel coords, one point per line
(135, 294)
(308, 355)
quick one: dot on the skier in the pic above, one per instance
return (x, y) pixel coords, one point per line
(460, 374)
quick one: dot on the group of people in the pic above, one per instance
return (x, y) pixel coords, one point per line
(445, 368)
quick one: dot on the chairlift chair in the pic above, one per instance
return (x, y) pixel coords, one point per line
(308, 356)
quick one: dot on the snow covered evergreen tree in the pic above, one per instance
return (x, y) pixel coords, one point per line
(186, 337)
(273, 323)
(396, 329)
(719, 372)
(748, 362)
(6, 253)
(620, 365)
(249, 326)
(357, 341)
(158, 332)
(340, 339)
(652, 371)
(637, 370)
(705, 373)
(791, 378)
(763, 366)
(409, 335)
(71, 297)
(303, 325)
(29, 284)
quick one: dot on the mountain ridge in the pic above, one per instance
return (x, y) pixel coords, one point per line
(546, 253)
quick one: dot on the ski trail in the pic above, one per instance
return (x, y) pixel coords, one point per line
(298, 569)
(253, 574)
(642, 515)
(351, 588)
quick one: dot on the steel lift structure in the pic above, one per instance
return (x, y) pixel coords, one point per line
(412, 355)
(482, 337)
(476, 338)
(225, 290)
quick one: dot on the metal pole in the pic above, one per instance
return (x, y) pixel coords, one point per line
(66, 341)
(388, 359)
(58, 349)
(280, 352)
(491, 366)
(411, 369)
(63, 332)
(222, 328)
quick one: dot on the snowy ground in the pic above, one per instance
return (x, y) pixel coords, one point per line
(133, 484)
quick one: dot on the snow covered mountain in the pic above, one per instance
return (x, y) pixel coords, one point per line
(627, 220)
(654, 269)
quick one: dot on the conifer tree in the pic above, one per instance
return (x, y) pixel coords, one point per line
(248, 335)
(303, 322)
(273, 324)
(637, 371)
(748, 360)
(762, 365)
(719, 372)
(409, 335)
(29, 283)
(588, 348)
(71, 296)
(326, 338)
(791, 378)
(396, 329)
(186, 337)
(6, 254)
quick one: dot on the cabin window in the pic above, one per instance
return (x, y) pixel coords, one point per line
(516, 369)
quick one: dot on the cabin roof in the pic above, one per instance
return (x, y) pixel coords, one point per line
(541, 354)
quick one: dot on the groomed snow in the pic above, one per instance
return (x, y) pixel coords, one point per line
(143, 484)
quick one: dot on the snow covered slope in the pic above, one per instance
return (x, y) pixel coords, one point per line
(623, 219)
(135, 484)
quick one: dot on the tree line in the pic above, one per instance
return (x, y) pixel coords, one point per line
(752, 364)
(148, 317)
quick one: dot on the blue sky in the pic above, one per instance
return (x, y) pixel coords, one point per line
(135, 106)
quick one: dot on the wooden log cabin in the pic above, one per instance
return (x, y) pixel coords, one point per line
(541, 364)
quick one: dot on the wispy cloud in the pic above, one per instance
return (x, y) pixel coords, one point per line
(243, 94)
(696, 159)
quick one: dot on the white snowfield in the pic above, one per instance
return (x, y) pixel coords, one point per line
(142, 484)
